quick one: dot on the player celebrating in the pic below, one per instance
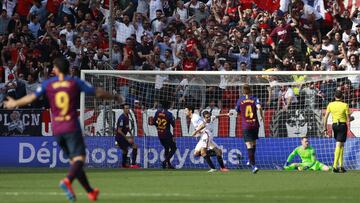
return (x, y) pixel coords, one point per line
(63, 94)
(201, 148)
(247, 107)
(163, 122)
(340, 116)
(214, 149)
(308, 158)
(124, 142)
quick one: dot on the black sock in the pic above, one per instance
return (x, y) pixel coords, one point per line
(124, 158)
(166, 154)
(171, 153)
(209, 162)
(251, 156)
(84, 181)
(221, 161)
(74, 170)
(133, 156)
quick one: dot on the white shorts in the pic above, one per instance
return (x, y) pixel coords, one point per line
(207, 142)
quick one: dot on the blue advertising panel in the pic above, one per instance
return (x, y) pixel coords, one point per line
(102, 152)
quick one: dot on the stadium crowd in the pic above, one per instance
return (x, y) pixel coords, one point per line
(228, 35)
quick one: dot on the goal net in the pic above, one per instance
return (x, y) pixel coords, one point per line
(294, 105)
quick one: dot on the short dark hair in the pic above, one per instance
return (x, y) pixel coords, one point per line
(338, 94)
(206, 113)
(190, 107)
(124, 104)
(62, 64)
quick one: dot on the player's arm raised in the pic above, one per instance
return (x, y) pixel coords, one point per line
(199, 129)
(12, 103)
(101, 93)
(98, 92)
(224, 114)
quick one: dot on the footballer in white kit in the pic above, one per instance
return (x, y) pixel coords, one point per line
(205, 143)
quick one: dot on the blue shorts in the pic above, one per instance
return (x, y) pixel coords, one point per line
(122, 142)
(72, 143)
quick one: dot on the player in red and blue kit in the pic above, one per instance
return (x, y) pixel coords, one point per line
(124, 142)
(247, 106)
(63, 93)
(163, 122)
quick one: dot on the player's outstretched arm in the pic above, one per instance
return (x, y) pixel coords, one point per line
(199, 129)
(224, 114)
(12, 103)
(101, 93)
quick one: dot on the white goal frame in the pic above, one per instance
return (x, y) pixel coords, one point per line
(210, 73)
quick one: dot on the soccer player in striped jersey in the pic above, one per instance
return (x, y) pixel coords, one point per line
(164, 120)
(123, 141)
(247, 106)
(63, 93)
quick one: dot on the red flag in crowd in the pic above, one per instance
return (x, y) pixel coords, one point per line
(268, 5)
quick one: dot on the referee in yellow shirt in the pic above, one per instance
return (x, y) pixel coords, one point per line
(340, 116)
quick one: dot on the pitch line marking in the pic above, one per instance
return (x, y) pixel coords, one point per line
(248, 196)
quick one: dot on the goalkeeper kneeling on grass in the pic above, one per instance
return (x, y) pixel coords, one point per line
(308, 158)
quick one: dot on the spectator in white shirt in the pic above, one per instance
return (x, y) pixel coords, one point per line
(154, 6)
(182, 11)
(124, 29)
(287, 98)
(68, 32)
(193, 4)
(326, 45)
(158, 24)
(34, 26)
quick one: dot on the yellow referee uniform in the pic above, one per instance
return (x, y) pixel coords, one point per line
(339, 111)
(340, 116)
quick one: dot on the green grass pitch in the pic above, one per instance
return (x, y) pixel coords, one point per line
(139, 186)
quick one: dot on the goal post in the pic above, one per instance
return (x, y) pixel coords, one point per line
(217, 92)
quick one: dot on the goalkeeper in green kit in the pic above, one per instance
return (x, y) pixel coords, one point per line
(308, 158)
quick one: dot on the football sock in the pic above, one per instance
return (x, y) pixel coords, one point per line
(84, 181)
(133, 156)
(209, 162)
(166, 154)
(221, 161)
(251, 155)
(336, 156)
(171, 153)
(341, 156)
(124, 158)
(74, 170)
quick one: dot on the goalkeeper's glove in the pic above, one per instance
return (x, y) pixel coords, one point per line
(286, 164)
